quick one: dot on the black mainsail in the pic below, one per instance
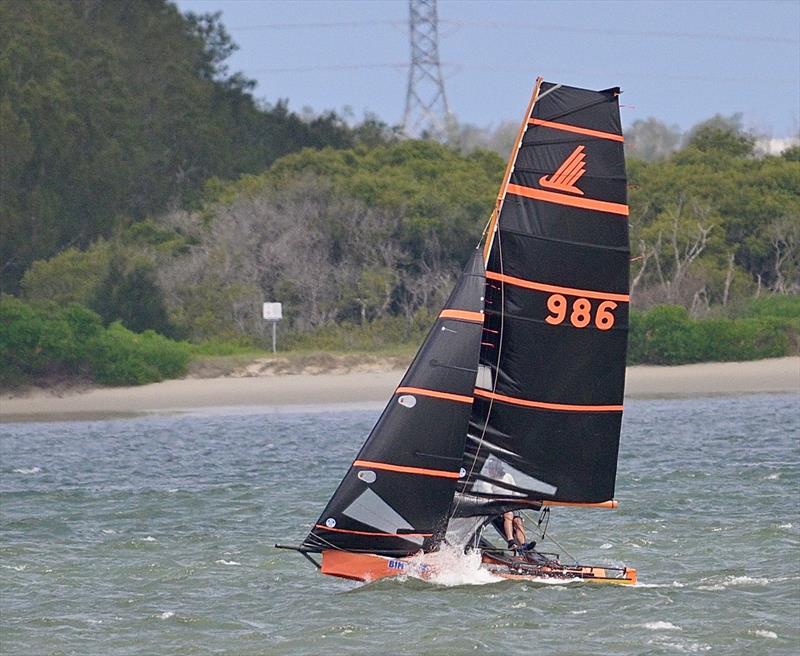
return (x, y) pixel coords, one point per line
(548, 398)
(515, 397)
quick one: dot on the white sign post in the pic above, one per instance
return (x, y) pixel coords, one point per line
(272, 312)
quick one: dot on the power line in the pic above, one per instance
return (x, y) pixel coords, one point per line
(402, 66)
(330, 67)
(538, 27)
(321, 25)
(657, 34)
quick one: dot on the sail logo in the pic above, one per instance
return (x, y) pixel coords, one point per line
(568, 173)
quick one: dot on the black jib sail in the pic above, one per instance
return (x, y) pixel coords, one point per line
(396, 497)
(548, 400)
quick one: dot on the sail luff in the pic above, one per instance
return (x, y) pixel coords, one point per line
(492, 228)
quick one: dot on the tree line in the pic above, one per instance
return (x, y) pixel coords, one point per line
(375, 236)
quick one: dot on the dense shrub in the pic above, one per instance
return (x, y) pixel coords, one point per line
(72, 276)
(121, 357)
(666, 335)
(131, 295)
(777, 305)
(41, 340)
(44, 339)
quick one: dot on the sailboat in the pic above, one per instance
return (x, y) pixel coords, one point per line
(514, 400)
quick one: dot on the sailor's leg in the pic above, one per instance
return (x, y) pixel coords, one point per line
(508, 526)
(519, 529)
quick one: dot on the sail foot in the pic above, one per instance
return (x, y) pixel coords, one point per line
(473, 505)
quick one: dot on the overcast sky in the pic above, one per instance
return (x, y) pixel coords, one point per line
(679, 61)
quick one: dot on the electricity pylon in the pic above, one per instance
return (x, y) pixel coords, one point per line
(426, 104)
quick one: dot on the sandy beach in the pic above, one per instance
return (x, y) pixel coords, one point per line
(778, 375)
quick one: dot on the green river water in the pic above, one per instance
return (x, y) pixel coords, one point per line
(154, 535)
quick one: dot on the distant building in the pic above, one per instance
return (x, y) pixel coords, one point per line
(775, 145)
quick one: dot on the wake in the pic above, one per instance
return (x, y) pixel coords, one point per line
(450, 567)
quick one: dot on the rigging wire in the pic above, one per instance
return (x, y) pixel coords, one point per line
(457, 503)
(455, 69)
(471, 471)
(543, 535)
(544, 516)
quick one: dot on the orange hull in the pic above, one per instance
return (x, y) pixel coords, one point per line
(371, 567)
(364, 567)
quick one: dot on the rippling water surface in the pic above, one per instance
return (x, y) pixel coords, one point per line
(154, 536)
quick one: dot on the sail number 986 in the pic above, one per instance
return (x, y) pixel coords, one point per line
(580, 312)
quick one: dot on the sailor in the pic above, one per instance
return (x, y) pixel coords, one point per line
(509, 524)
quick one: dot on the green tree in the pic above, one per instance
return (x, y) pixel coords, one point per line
(791, 154)
(73, 276)
(722, 135)
(746, 206)
(130, 293)
(114, 111)
(337, 235)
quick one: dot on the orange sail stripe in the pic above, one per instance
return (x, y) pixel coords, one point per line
(420, 471)
(572, 201)
(610, 504)
(463, 315)
(555, 289)
(374, 535)
(576, 129)
(437, 395)
(546, 406)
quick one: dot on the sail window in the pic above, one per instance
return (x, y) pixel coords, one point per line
(484, 378)
(407, 401)
(368, 508)
(367, 475)
(501, 471)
